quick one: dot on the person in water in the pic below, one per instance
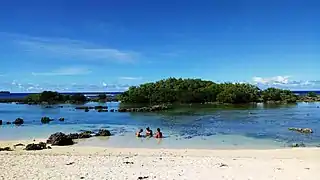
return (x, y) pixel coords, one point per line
(158, 133)
(138, 134)
(149, 132)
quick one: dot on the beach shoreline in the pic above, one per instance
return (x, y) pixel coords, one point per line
(85, 162)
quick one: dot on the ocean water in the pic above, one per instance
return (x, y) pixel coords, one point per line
(211, 127)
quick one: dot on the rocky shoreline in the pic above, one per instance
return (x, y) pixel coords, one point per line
(155, 108)
(60, 139)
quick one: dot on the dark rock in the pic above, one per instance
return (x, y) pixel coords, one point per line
(298, 145)
(61, 119)
(73, 135)
(145, 109)
(143, 177)
(8, 123)
(70, 163)
(0, 122)
(103, 132)
(122, 110)
(102, 110)
(127, 162)
(223, 165)
(6, 149)
(18, 145)
(45, 120)
(82, 135)
(100, 107)
(49, 147)
(33, 146)
(86, 110)
(111, 110)
(84, 107)
(301, 130)
(60, 139)
(18, 121)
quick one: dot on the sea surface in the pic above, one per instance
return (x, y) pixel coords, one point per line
(256, 126)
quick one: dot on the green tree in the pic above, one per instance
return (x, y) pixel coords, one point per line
(102, 97)
(78, 98)
(312, 94)
(32, 98)
(274, 94)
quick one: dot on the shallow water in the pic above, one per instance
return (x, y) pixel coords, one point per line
(254, 126)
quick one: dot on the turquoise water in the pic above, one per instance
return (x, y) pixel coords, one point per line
(254, 126)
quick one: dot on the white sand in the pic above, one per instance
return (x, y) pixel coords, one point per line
(109, 163)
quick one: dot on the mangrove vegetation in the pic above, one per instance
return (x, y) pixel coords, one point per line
(174, 90)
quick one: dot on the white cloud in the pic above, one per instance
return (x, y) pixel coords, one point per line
(69, 48)
(64, 72)
(130, 78)
(285, 82)
(272, 80)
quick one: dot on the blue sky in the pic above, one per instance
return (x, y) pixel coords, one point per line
(93, 45)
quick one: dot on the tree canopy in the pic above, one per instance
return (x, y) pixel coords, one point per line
(312, 94)
(174, 90)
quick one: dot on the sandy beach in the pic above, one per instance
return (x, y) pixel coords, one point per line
(76, 162)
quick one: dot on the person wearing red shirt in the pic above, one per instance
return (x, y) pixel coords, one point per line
(158, 133)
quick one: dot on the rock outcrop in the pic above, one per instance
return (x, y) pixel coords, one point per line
(302, 130)
(6, 149)
(298, 145)
(61, 119)
(82, 135)
(103, 132)
(60, 139)
(0, 122)
(45, 120)
(102, 110)
(145, 109)
(100, 107)
(33, 146)
(18, 121)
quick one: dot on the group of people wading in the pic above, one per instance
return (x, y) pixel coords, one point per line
(149, 133)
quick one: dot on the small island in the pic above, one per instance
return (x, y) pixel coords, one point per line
(50, 97)
(186, 91)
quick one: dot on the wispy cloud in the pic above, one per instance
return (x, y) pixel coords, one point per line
(16, 86)
(70, 48)
(70, 71)
(130, 78)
